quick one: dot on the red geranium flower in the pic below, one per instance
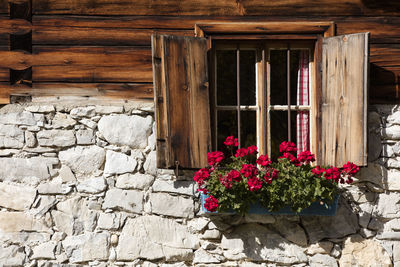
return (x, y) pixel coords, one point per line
(201, 175)
(234, 175)
(241, 152)
(211, 204)
(264, 161)
(215, 157)
(249, 170)
(350, 168)
(292, 158)
(252, 149)
(332, 174)
(254, 184)
(231, 141)
(306, 156)
(318, 171)
(287, 147)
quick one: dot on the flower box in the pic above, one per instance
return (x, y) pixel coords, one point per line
(316, 209)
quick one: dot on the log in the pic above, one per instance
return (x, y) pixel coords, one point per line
(220, 8)
(14, 26)
(106, 90)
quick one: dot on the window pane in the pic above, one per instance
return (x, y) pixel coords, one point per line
(248, 132)
(278, 79)
(247, 77)
(226, 77)
(227, 126)
(294, 72)
(279, 131)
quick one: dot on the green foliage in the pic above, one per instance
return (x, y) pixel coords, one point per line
(295, 186)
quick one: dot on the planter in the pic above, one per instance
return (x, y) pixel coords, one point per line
(316, 209)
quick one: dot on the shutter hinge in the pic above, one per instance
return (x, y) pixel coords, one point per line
(176, 168)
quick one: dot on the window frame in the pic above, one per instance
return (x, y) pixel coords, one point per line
(273, 32)
(262, 104)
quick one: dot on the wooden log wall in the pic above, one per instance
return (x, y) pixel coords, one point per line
(102, 48)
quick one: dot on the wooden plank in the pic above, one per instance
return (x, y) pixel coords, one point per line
(92, 64)
(181, 87)
(382, 29)
(4, 72)
(309, 27)
(386, 56)
(4, 93)
(344, 99)
(14, 26)
(53, 35)
(221, 7)
(106, 90)
(17, 60)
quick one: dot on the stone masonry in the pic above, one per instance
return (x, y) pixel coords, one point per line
(79, 187)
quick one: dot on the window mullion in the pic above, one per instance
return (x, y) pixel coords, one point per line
(238, 90)
(288, 92)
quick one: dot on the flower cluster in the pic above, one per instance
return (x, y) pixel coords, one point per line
(234, 182)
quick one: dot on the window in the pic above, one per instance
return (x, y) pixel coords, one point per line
(261, 105)
(258, 97)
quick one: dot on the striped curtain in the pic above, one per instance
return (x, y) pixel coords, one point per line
(302, 118)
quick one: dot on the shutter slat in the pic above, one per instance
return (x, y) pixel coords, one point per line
(343, 105)
(181, 101)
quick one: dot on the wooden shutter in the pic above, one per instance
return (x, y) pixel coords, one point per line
(182, 110)
(343, 104)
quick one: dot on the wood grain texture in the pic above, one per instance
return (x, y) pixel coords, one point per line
(14, 26)
(106, 90)
(52, 35)
(221, 7)
(344, 99)
(4, 71)
(181, 101)
(4, 93)
(297, 27)
(92, 64)
(3, 6)
(17, 60)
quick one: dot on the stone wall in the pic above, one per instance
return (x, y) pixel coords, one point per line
(79, 187)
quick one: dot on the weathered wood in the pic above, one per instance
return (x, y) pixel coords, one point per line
(50, 35)
(91, 74)
(14, 26)
(344, 99)
(108, 90)
(4, 93)
(92, 64)
(4, 71)
(3, 6)
(181, 87)
(17, 60)
(221, 7)
(205, 29)
(386, 56)
(382, 29)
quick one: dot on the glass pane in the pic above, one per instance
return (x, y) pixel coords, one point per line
(279, 131)
(227, 125)
(294, 72)
(247, 77)
(278, 80)
(248, 129)
(226, 77)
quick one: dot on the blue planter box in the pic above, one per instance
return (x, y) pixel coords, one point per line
(316, 209)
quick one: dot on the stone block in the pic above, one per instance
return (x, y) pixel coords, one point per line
(92, 185)
(118, 163)
(83, 111)
(358, 251)
(109, 109)
(85, 137)
(44, 251)
(11, 136)
(59, 138)
(62, 120)
(153, 237)
(126, 200)
(83, 159)
(87, 247)
(16, 197)
(134, 181)
(131, 131)
(18, 118)
(176, 206)
(177, 187)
